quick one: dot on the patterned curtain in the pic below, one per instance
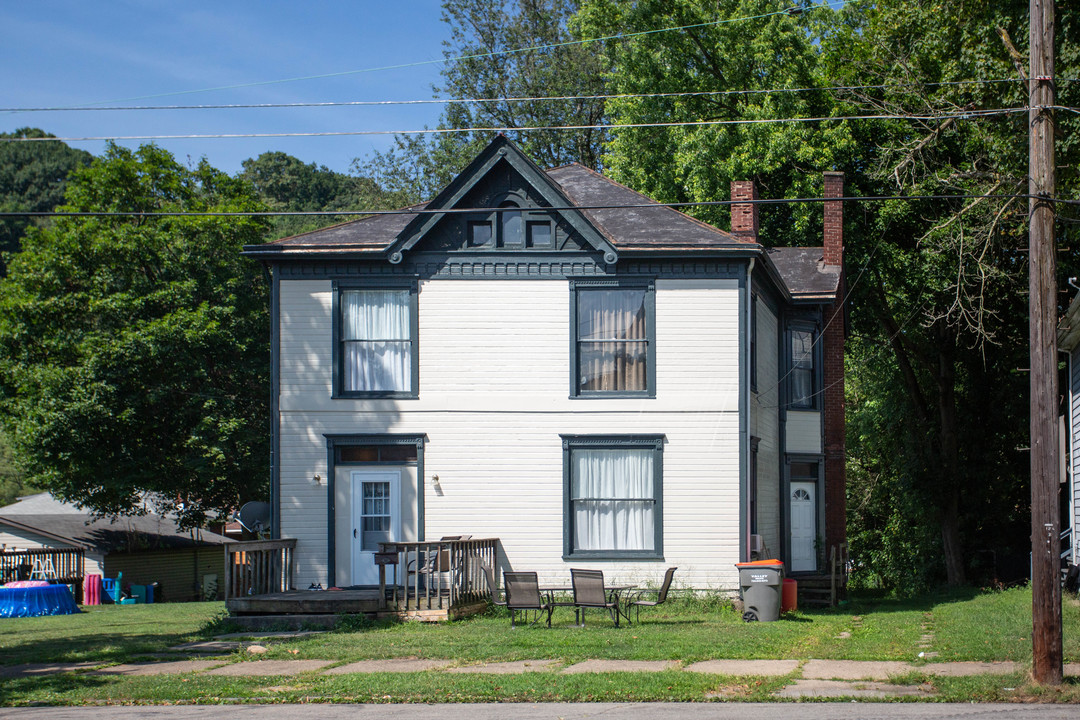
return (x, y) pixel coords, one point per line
(612, 340)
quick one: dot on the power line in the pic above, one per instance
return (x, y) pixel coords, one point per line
(461, 211)
(481, 101)
(477, 56)
(964, 115)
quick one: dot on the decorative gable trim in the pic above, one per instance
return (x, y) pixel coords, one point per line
(500, 149)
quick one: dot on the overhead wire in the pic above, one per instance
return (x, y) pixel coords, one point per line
(962, 115)
(416, 210)
(480, 56)
(514, 99)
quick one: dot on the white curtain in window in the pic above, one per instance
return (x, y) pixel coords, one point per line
(613, 500)
(377, 353)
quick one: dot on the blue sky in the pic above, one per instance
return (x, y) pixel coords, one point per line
(57, 53)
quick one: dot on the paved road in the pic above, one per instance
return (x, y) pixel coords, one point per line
(563, 711)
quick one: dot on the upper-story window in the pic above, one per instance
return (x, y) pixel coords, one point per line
(613, 339)
(376, 342)
(803, 376)
(516, 225)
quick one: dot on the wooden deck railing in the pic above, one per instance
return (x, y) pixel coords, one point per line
(440, 574)
(258, 567)
(62, 565)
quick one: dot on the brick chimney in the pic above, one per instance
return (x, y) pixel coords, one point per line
(744, 216)
(834, 219)
(833, 372)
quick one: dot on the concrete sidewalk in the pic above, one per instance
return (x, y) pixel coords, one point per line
(808, 678)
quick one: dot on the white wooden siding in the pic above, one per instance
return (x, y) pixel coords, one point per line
(765, 424)
(1074, 449)
(803, 432)
(494, 399)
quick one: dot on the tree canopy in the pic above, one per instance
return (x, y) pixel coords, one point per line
(505, 56)
(133, 350)
(33, 176)
(285, 183)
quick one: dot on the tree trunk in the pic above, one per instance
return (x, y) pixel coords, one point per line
(949, 464)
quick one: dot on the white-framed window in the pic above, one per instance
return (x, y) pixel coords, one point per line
(613, 496)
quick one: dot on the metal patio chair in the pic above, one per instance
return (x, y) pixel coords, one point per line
(523, 594)
(634, 600)
(589, 592)
(435, 567)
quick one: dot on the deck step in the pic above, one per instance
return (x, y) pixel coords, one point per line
(285, 622)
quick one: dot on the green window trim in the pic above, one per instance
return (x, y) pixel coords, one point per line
(653, 444)
(338, 382)
(648, 285)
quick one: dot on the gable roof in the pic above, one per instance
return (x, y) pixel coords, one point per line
(127, 534)
(40, 504)
(610, 217)
(498, 151)
(44, 515)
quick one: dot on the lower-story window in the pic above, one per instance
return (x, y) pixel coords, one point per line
(613, 496)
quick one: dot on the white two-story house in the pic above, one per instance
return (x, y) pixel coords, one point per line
(554, 360)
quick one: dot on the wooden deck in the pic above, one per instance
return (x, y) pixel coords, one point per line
(351, 601)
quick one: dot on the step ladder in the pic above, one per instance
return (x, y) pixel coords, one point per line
(43, 569)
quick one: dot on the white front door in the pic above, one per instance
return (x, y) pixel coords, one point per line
(803, 527)
(376, 518)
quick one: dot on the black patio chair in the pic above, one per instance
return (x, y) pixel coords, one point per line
(634, 600)
(523, 594)
(589, 592)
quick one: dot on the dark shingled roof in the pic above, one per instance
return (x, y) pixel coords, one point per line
(657, 226)
(803, 270)
(370, 233)
(127, 534)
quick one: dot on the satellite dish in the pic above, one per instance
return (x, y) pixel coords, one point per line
(254, 517)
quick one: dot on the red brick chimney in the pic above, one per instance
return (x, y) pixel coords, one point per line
(834, 219)
(744, 216)
(833, 375)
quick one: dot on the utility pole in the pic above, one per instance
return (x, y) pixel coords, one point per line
(1042, 283)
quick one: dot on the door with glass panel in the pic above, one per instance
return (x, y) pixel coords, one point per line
(803, 527)
(376, 518)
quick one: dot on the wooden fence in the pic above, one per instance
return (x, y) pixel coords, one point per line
(258, 567)
(61, 565)
(440, 574)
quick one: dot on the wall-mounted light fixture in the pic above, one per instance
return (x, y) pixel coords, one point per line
(436, 485)
(317, 480)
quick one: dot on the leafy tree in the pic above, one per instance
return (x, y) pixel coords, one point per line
(420, 167)
(32, 179)
(759, 68)
(133, 350)
(945, 290)
(11, 481)
(937, 409)
(286, 183)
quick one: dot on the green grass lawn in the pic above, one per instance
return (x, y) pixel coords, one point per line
(963, 625)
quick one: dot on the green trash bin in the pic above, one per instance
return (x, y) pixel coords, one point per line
(762, 584)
